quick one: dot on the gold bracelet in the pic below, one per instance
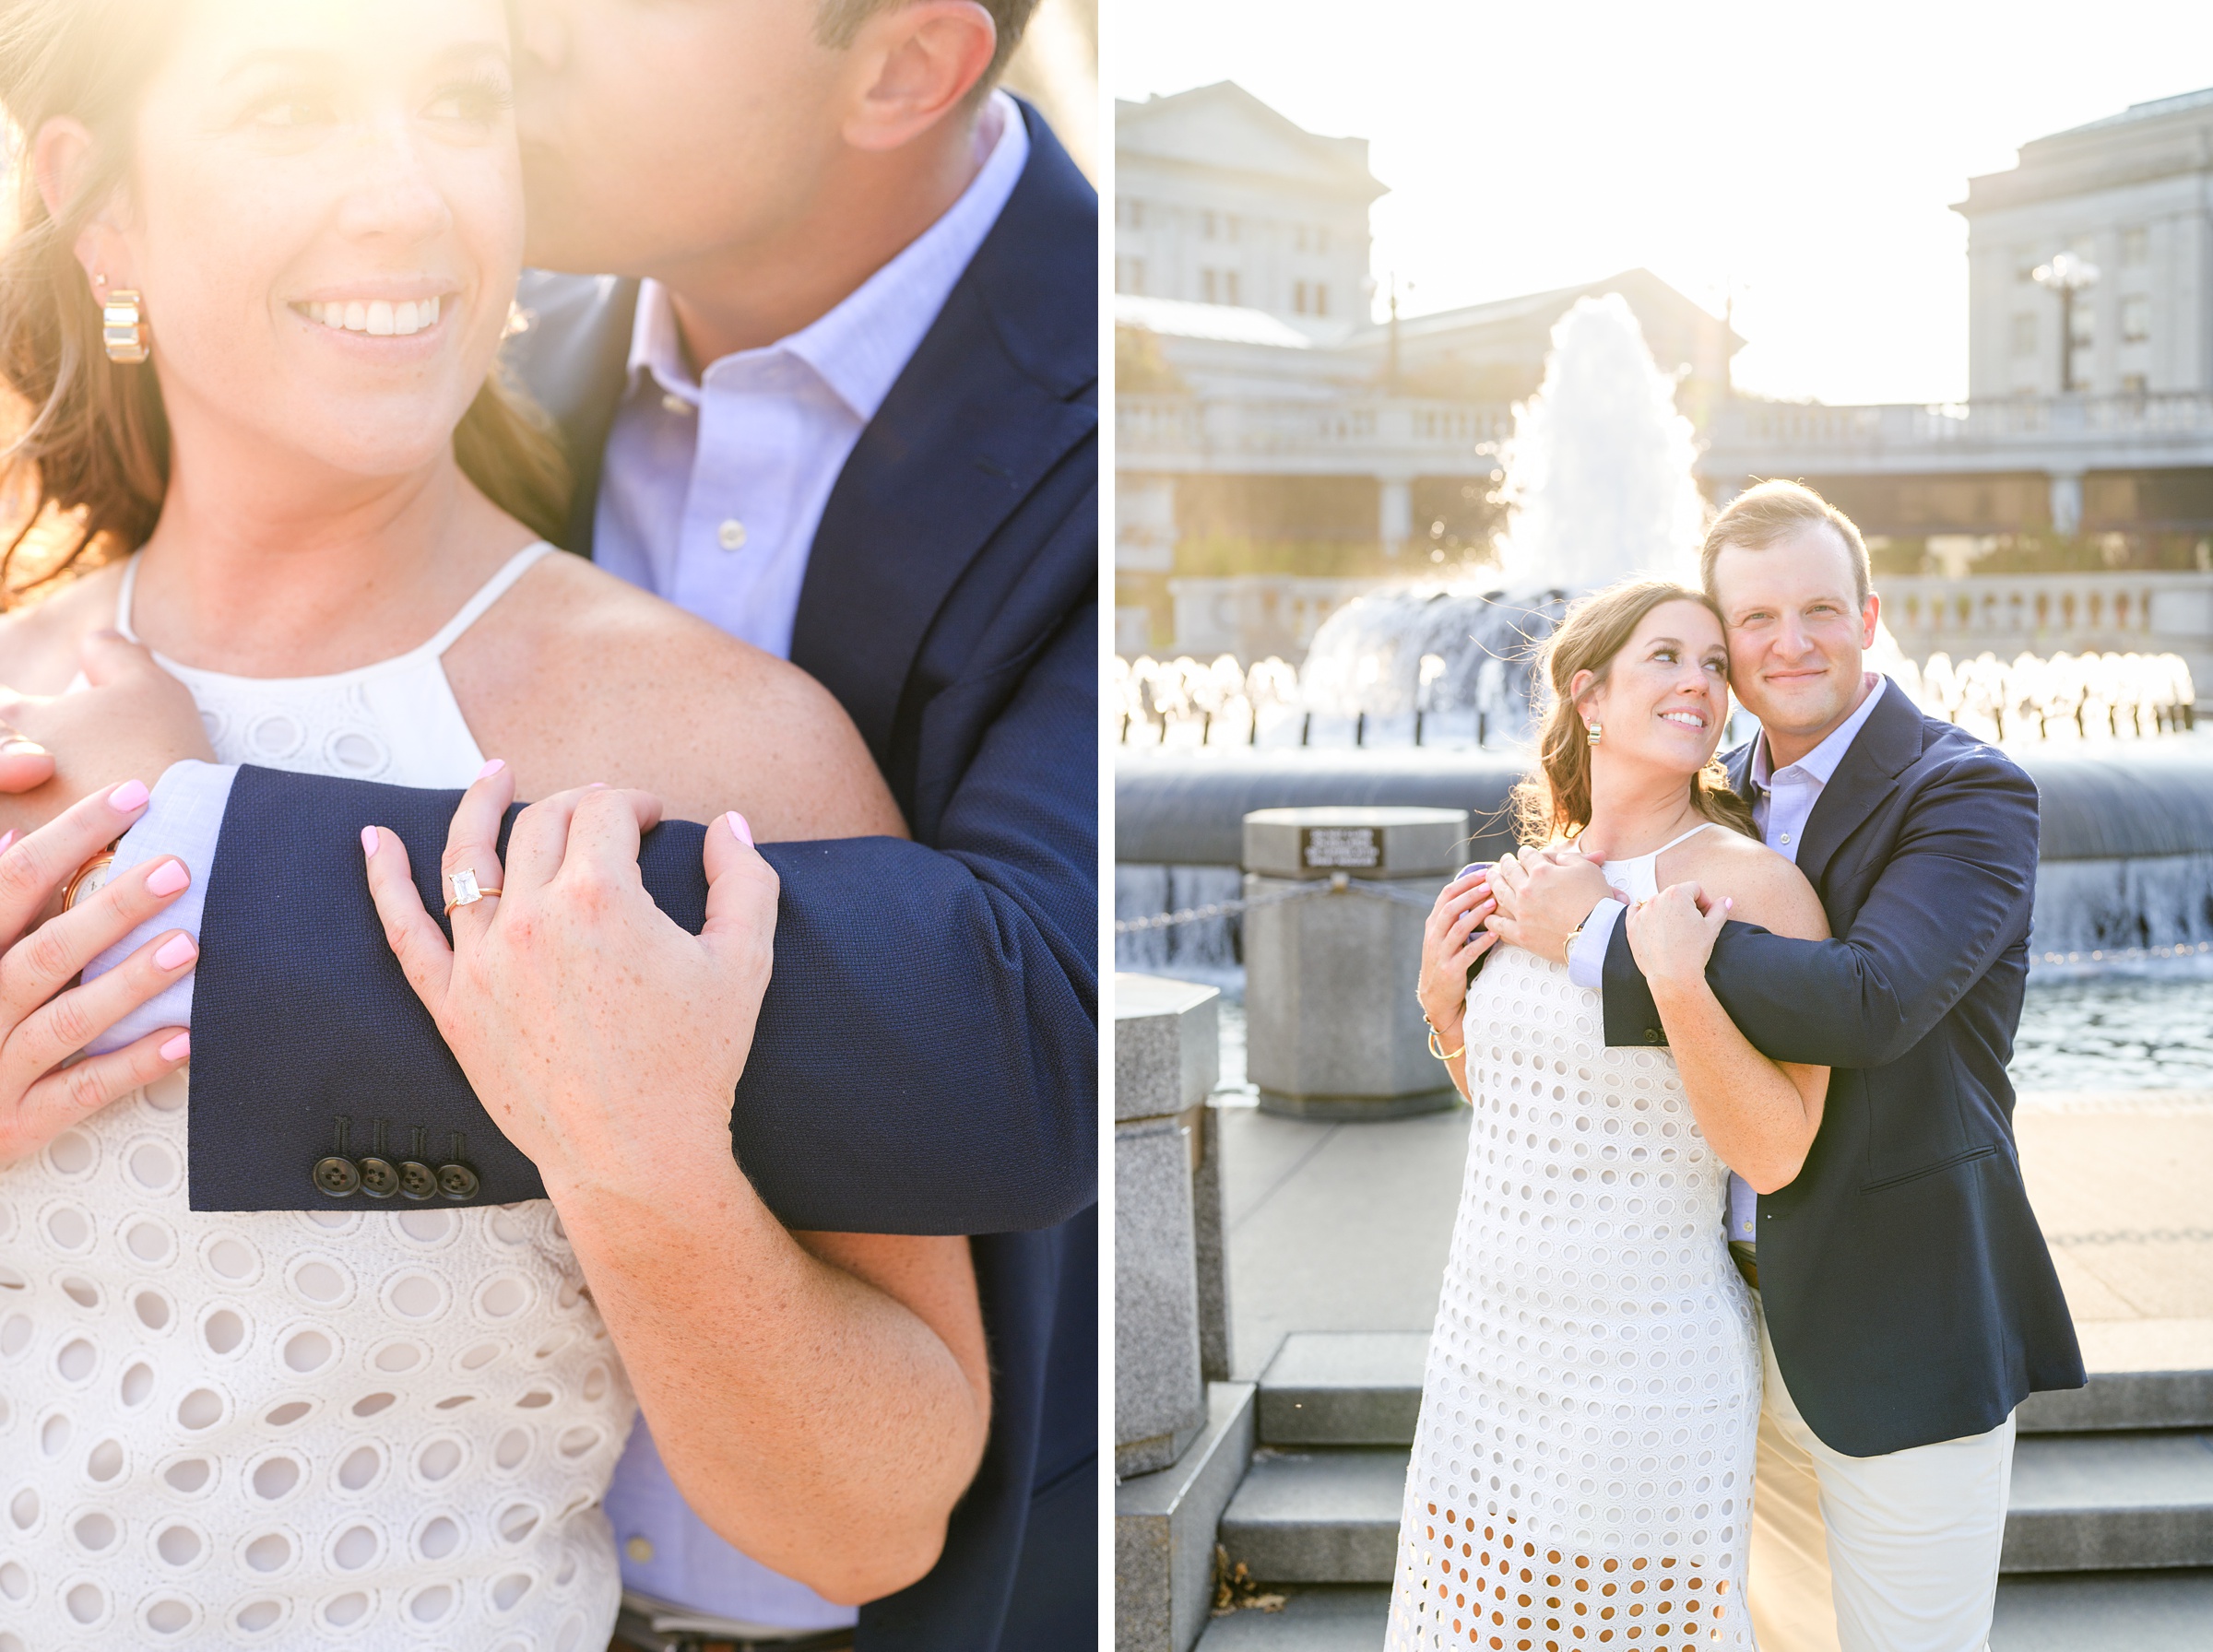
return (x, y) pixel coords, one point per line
(1437, 1043)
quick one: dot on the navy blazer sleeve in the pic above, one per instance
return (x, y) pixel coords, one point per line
(1954, 893)
(926, 1059)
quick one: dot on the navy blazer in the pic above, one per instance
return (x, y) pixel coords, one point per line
(1908, 1289)
(926, 1054)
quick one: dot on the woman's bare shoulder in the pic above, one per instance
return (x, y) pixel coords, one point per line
(583, 676)
(38, 641)
(1767, 889)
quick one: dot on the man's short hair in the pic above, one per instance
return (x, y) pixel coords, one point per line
(1758, 516)
(837, 21)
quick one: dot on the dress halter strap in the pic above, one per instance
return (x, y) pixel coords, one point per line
(490, 592)
(1672, 842)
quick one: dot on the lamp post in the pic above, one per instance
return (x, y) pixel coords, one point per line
(2066, 275)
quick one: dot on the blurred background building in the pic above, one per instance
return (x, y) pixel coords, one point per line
(1287, 440)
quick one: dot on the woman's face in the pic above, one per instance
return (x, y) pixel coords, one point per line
(324, 214)
(1666, 694)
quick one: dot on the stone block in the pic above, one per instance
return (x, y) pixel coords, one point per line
(1211, 1243)
(1343, 1388)
(1328, 1617)
(1332, 1027)
(1163, 1530)
(1159, 1401)
(2100, 1502)
(2122, 1399)
(1168, 1051)
(1362, 840)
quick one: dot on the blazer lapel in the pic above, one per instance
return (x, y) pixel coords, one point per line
(573, 355)
(1002, 388)
(1887, 742)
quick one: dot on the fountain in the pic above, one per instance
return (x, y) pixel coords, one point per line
(1422, 696)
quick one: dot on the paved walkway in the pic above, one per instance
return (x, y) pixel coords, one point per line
(1345, 1226)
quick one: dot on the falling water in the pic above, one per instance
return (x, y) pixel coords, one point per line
(1598, 486)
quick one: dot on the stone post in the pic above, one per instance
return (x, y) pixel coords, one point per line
(1332, 1027)
(1166, 1061)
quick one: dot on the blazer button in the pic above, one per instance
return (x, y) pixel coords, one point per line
(417, 1180)
(1652, 1035)
(337, 1177)
(457, 1181)
(380, 1177)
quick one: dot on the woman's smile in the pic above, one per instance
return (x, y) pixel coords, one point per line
(379, 318)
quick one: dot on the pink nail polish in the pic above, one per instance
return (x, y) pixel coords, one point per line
(492, 768)
(168, 878)
(176, 952)
(739, 829)
(7, 838)
(128, 797)
(369, 840)
(177, 1048)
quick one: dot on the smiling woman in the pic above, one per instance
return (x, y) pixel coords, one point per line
(143, 137)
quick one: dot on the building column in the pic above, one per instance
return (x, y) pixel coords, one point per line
(1394, 523)
(2067, 502)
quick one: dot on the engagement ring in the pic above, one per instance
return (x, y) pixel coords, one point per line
(465, 892)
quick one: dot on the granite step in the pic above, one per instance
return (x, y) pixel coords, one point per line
(2081, 1503)
(2080, 1611)
(1365, 1388)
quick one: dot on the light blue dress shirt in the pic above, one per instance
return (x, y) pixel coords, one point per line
(711, 493)
(1782, 799)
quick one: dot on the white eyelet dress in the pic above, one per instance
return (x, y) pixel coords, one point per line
(336, 1428)
(1581, 1473)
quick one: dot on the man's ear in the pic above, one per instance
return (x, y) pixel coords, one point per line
(1871, 614)
(61, 157)
(915, 63)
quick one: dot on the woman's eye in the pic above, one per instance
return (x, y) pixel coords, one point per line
(478, 103)
(286, 114)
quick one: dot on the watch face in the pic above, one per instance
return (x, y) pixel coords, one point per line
(89, 881)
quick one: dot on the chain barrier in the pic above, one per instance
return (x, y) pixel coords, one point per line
(1336, 884)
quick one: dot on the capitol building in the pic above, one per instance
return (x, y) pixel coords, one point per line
(1280, 451)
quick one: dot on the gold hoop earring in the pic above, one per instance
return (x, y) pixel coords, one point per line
(123, 327)
(1595, 730)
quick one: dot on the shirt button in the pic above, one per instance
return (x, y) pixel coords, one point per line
(677, 404)
(639, 1550)
(1786, 837)
(731, 534)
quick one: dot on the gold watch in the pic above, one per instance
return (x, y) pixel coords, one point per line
(89, 878)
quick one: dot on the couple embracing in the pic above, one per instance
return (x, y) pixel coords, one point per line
(375, 1266)
(1745, 1285)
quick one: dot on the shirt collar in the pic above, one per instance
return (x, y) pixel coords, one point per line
(1821, 762)
(861, 347)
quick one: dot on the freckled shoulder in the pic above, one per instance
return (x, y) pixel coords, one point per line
(38, 641)
(1769, 889)
(576, 676)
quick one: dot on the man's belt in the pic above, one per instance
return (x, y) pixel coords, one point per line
(634, 1633)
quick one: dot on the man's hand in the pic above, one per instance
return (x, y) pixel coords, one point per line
(602, 1039)
(133, 722)
(1543, 895)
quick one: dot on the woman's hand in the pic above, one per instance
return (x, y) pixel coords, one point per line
(604, 1041)
(1452, 939)
(44, 1019)
(1671, 935)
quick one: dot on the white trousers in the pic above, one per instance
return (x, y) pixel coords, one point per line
(1894, 1553)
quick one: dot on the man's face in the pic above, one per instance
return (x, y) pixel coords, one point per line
(654, 131)
(1796, 628)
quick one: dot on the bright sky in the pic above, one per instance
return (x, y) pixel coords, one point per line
(1804, 155)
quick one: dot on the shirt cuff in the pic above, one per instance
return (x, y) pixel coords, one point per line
(184, 819)
(1587, 953)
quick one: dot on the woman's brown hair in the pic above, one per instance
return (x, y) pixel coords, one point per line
(1554, 799)
(85, 454)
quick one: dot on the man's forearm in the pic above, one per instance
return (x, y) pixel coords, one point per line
(793, 1405)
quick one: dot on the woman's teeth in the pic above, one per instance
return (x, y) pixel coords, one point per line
(1684, 719)
(376, 316)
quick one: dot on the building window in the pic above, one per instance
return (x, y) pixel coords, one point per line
(1233, 226)
(1133, 214)
(2024, 335)
(1206, 288)
(2085, 325)
(1130, 275)
(1321, 298)
(2136, 246)
(2135, 318)
(1229, 285)
(2134, 383)
(1298, 238)
(1206, 223)
(1321, 239)
(1298, 297)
